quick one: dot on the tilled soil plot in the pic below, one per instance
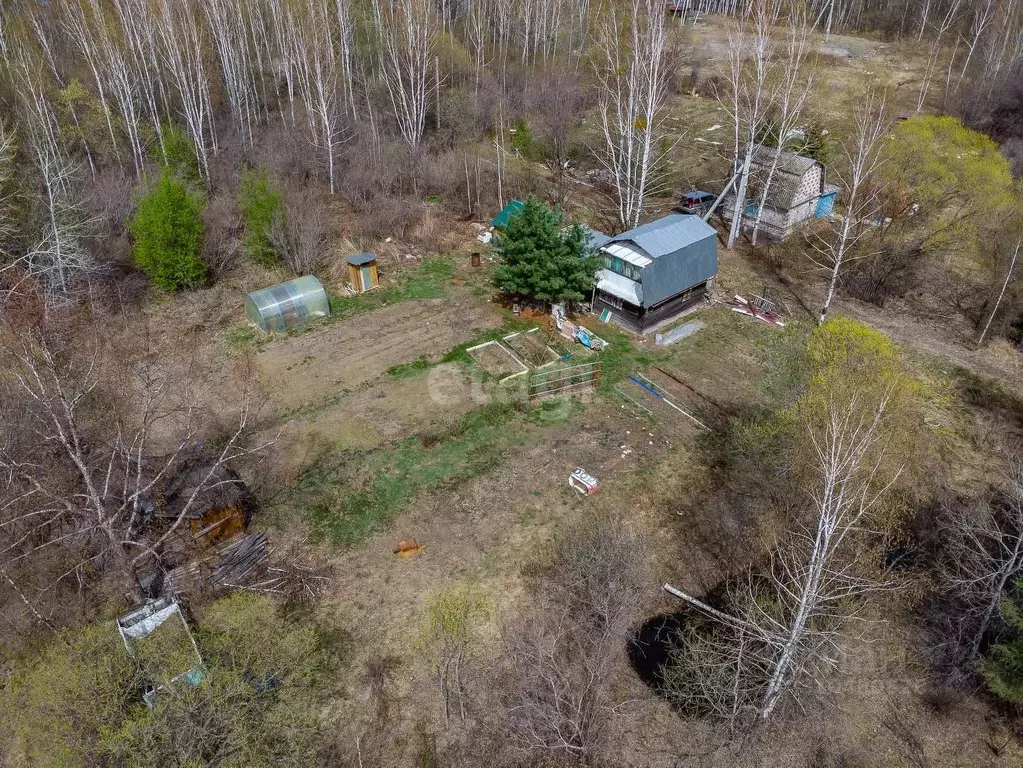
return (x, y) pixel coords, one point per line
(312, 366)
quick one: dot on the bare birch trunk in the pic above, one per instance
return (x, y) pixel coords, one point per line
(872, 125)
(633, 87)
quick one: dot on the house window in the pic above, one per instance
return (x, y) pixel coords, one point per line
(621, 267)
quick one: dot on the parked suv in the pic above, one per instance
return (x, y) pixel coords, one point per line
(696, 202)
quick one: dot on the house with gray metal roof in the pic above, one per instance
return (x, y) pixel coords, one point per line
(656, 271)
(798, 192)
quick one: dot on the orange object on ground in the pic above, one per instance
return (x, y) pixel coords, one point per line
(408, 547)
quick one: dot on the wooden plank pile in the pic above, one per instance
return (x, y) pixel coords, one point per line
(234, 564)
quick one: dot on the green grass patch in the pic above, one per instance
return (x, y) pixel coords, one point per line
(242, 337)
(621, 357)
(347, 497)
(428, 281)
(458, 354)
(407, 370)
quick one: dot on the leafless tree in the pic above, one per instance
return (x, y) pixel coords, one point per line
(8, 150)
(982, 556)
(346, 51)
(864, 157)
(947, 22)
(406, 38)
(81, 484)
(228, 23)
(784, 630)
(559, 100)
(298, 233)
(477, 24)
(87, 26)
(221, 244)
(790, 92)
(633, 73)
(983, 17)
(182, 47)
(141, 54)
(1001, 294)
(57, 257)
(747, 101)
(319, 80)
(1003, 46)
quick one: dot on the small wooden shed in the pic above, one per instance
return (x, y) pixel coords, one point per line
(362, 272)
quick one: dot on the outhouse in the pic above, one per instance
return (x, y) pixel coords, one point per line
(362, 272)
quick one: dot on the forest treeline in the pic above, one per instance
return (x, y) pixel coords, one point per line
(385, 103)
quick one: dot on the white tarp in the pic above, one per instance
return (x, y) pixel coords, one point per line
(144, 622)
(620, 286)
(147, 626)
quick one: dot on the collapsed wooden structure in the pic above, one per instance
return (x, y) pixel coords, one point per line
(201, 516)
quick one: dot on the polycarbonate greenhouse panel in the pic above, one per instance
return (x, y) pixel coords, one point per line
(287, 305)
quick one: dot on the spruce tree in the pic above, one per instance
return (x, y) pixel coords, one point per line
(167, 231)
(541, 259)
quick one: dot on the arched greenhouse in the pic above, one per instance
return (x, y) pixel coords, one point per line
(287, 305)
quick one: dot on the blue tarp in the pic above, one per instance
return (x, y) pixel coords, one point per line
(825, 205)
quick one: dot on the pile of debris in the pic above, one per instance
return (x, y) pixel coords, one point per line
(761, 308)
(199, 518)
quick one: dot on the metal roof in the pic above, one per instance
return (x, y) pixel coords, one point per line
(668, 234)
(594, 237)
(361, 258)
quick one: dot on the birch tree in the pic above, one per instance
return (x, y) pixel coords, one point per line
(1001, 294)
(864, 157)
(92, 37)
(57, 257)
(228, 24)
(319, 81)
(476, 27)
(983, 17)
(748, 100)
(182, 48)
(345, 51)
(8, 151)
(782, 629)
(141, 54)
(406, 33)
(795, 80)
(632, 72)
(948, 20)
